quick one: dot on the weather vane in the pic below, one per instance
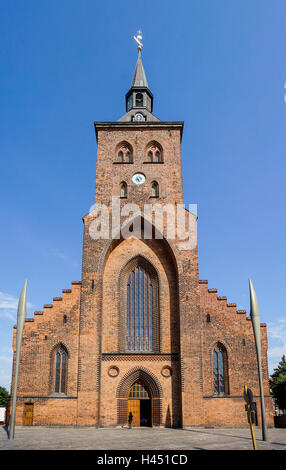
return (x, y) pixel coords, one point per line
(138, 39)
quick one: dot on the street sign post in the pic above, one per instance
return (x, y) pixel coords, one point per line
(248, 396)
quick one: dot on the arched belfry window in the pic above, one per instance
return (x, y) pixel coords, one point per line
(154, 152)
(124, 153)
(61, 370)
(154, 189)
(139, 309)
(220, 370)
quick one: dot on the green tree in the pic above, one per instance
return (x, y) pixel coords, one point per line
(4, 397)
(278, 384)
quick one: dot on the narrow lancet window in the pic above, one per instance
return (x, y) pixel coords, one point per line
(220, 370)
(61, 369)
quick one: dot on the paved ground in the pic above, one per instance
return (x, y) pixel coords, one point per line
(141, 438)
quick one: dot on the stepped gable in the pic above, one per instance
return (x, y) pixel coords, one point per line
(58, 302)
(213, 300)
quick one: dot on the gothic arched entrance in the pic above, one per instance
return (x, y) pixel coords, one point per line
(140, 404)
(140, 392)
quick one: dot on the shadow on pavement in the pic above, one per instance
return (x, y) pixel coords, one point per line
(224, 435)
(6, 429)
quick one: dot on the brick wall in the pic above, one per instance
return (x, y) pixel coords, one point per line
(41, 335)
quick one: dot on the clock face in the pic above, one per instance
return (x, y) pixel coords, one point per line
(139, 117)
(138, 178)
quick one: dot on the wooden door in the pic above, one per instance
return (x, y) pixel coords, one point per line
(134, 407)
(28, 414)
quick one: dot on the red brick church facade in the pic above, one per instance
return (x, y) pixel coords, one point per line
(140, 332)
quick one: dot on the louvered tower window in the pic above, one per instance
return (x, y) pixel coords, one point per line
(139, 100)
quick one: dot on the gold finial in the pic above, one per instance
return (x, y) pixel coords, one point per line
(138, 39)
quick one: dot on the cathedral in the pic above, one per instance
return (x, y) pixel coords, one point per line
(140, 332)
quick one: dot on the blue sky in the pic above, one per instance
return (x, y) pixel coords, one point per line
(218, 65)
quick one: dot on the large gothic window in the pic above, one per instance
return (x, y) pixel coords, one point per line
(220, 370)
(139, 327)
(139, 311)
(61, 371)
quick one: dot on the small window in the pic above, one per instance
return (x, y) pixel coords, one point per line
(150, 156)
(123, 190)
(120, 156)
(155, 189)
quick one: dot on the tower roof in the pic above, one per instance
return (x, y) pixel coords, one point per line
(139, 99)
(139, 78)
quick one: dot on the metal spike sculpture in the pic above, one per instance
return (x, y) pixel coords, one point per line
(255, 319)
(21, 315)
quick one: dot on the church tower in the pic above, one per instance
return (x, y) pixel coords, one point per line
(130, 290)
(140, 332)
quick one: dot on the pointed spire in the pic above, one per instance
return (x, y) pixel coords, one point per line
(139, 78)
(139, 96)
(139, 99)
